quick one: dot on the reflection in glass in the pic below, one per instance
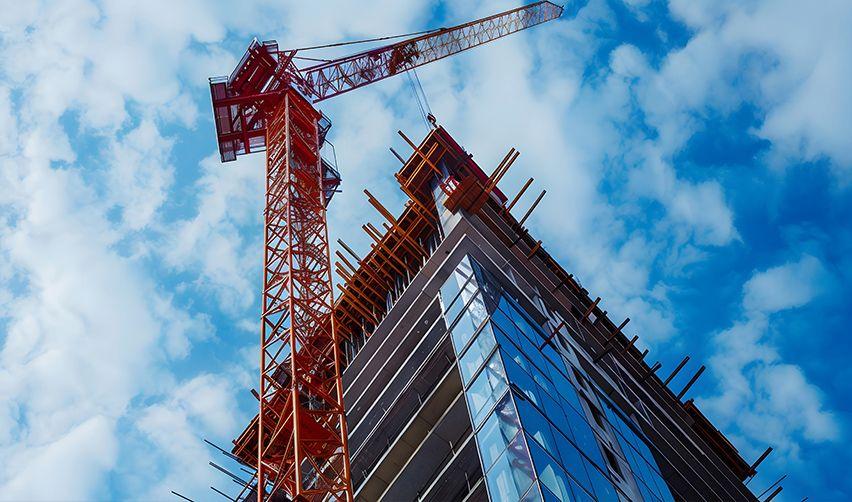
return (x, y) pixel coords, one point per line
(604, 491)
(550, 474)
(584, 437)
(522, 380)
(486, 388)
(498, 431)
(537, 426)
(467, 325)
(475, 355)
(512, 473)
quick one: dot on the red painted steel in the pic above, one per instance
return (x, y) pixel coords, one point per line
(327, 80)
(302, 425)
(265, 71)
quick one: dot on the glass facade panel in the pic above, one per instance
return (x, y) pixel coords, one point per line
(476, 354)
(455, 299)
(604, 491)
(498, 431)
(637, 454)
(468, 323)
(524, 324)
(537, 426)
(573, 461)
(453, 285)
(512, 473)
(550, 474)
(486, 389)
(502, 319)
(509, 348)
(539, 430)
(568, 393)
(548, 495)
(584, 438)
(522, 380)
(533, 494)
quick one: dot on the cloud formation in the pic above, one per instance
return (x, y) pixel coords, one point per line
(762, 399)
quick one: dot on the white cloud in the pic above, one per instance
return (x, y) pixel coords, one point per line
(78, 336)
(698, 210)
(140, 174)
(787, 286)
(8, 132)
(797, 73)
(211, 242)
(76, 460)
(762, 397)
(201, 407)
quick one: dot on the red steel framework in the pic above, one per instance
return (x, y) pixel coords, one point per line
(302, 424)
(298, 441)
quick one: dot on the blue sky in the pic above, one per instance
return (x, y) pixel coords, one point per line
(696, 156)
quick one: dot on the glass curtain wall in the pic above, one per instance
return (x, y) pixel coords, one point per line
(532, 431)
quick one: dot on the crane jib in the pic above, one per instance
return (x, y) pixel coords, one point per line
(336, 77)
(265, 71)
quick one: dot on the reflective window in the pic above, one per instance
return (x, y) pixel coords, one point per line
(573, 461)
(522, 380)
(512, 473)
(537, 426)
(486, 389)
(490, 286)
(548, 495)
(475, 355)
(511, 351)
(533, 494)
(524, 323)
(468, 323)
(550, 475)
(604, 491)
(637, 454)
(584, 437)
(568, 393)
(544, 411)
(454, 283)
(498, 431)
(462, 278)
(506, 324)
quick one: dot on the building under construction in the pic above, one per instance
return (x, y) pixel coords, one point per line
(459, 360)
(477, 368)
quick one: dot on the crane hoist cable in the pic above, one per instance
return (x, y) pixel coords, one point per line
(414, 90)
(422, 92)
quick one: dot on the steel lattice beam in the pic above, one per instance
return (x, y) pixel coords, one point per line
(336, 77)
(301, 425)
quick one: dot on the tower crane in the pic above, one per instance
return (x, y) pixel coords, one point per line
(267, 104)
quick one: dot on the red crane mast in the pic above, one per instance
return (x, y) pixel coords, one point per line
(266, 104)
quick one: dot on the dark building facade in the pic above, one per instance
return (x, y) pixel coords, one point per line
(478, 369)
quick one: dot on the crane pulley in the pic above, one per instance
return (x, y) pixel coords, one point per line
(298, 441)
